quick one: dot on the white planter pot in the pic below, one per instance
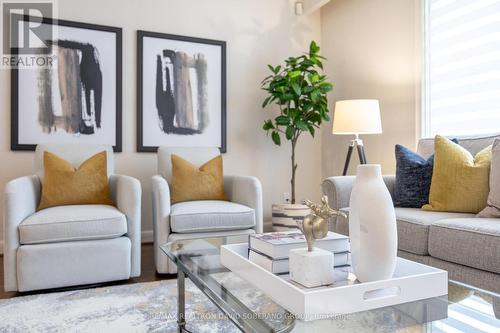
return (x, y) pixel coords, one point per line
(372, 226)
(285, 216)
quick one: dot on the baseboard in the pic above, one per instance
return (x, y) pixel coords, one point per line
(147, 236)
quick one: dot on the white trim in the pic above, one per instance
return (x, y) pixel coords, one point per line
(419, 68)
(147, 236)
(425, 118)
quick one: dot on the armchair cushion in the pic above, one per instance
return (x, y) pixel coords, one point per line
(210, 215)
(72, 223)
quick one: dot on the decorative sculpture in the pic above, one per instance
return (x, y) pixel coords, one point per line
(315, 226)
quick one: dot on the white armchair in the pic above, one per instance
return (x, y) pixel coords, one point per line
(242, 215)
(70, 245)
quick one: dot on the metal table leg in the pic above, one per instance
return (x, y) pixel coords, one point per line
(181, 301)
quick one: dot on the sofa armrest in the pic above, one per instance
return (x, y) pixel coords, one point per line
(127, 194)
(161, 221)
(338, 189)
(390, 182)
(22, 196)
(247, 191)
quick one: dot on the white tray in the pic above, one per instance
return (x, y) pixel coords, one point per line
(411, 282)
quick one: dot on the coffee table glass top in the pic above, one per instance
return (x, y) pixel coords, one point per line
(466, 309)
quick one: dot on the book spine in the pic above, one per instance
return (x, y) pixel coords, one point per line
(272, 264)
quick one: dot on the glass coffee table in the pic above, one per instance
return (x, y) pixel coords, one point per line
(466, 309)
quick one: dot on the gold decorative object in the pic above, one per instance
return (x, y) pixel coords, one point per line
(315, 225)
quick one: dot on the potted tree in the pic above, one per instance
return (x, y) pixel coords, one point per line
(299, 90)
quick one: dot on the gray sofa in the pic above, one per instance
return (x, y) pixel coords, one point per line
(466, 246)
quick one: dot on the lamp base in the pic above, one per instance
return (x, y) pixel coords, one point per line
(361, 153)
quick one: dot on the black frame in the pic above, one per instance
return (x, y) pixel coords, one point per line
(14, 129)
(140, 35)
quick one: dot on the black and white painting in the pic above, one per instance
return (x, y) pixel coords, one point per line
(181, 92)
(78, 98)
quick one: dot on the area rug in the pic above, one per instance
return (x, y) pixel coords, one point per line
(140, 307)
(152, 307)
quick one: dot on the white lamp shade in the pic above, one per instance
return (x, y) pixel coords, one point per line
(357, 116)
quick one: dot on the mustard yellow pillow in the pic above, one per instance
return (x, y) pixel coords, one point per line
(64, 185)
(192, 183)
(459, 180)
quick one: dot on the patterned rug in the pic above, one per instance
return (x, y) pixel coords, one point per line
(152, 307)
(140, 307)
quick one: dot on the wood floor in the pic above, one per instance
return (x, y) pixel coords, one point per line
(148, 273)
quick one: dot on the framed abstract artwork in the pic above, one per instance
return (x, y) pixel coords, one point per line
(181, 92)
(78, 98)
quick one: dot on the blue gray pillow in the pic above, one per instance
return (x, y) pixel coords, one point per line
(413, 178)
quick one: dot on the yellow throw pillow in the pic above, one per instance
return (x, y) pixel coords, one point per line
(459, 180)
(192, 183)
(64, 185)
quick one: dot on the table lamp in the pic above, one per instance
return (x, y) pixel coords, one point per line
(355, 117)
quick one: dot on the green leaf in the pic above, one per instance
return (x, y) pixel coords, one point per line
(315, 96)
(301, 125)
(313, 48)
(311, 130)
(290, 131)
(268, 124)
(266, 101)
(282, 120)
(325, 87)
(292, 113)
(276, 138)
(294, 74)
(307, 89)
(271, 68)
(296, 88)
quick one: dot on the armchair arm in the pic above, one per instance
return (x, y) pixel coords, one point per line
(161, 221)
(246, 191)
(126, 192)
(21, 199)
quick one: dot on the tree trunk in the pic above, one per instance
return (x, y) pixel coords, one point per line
(294, 168)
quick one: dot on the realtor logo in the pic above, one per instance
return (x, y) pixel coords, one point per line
(25, 39)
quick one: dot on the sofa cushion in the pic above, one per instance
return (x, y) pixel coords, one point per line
(459, 180)
(71, 223)
(492, 210)
(413, 227)
(473, 242)
(413, 178)
(210, 215)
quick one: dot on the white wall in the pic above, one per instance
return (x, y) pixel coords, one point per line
(257, 32)
(373, 50)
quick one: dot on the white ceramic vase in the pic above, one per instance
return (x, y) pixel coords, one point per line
(372, 226)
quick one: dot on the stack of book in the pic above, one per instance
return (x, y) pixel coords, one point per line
(270, 250)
